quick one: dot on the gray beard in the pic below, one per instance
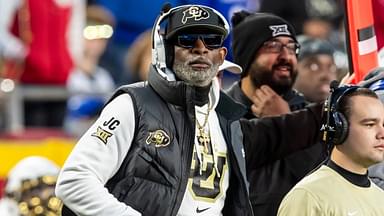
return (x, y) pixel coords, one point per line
(195, 78)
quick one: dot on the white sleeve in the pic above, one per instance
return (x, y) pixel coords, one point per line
(95, 159)
(11, 47)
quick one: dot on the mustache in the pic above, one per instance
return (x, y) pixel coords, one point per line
(284, 64)
(199, 60)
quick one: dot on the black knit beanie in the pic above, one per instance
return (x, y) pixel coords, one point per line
(251, 30)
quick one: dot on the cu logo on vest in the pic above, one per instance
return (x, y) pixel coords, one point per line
(158, 138)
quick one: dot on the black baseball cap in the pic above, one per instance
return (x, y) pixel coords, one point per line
(195, 19)
(314, 46)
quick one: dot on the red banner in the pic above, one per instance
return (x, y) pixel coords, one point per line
(361, 39)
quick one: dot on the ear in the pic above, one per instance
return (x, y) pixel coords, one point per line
(223, 53)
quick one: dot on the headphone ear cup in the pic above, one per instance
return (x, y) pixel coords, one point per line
(341, 128)
(169, 53)
(160, 51)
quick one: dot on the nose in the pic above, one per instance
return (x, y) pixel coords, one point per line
(199, 47)
(284, 53)
(325, 76)
(380, 134)
(328, 77)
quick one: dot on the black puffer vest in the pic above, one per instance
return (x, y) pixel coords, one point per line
(154, 174)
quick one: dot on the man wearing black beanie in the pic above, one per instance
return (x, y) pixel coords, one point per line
(265, 46)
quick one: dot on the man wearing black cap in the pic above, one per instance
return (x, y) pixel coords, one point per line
(157, 148)
(173, 145)
(265, 46)
(316, 68)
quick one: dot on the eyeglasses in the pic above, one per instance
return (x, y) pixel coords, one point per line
(211, 41)
(277, 47)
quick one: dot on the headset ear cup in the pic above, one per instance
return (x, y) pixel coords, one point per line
(169, 53)
(336, 124)
(341, 128)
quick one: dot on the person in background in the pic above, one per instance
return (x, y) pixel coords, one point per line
(139, 56)
(40, 43)
(30, 189)
(89, 85)
(316, 68)
(353, 129)
(265, 46)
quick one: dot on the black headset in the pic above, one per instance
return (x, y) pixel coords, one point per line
(159, 55)
(335, 126)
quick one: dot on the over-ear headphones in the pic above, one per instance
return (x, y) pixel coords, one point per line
(335, 126)
(160, 47)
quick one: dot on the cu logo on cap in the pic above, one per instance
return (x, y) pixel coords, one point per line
(196, 13)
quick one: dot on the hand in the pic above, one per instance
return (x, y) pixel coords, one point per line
(348, 79)
(267, 103)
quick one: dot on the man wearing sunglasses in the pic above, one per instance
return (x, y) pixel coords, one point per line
(157, 148)
(265, 46)
(174, 145)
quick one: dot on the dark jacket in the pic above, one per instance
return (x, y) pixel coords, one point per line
(294, 99)
(272, 178)
(159, 175)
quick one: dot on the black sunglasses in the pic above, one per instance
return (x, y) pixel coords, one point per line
(211, 41)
